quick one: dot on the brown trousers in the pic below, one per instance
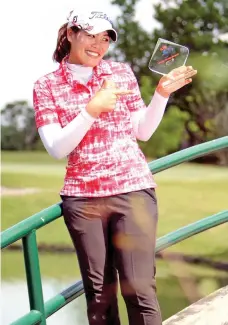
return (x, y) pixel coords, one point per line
(111, 235)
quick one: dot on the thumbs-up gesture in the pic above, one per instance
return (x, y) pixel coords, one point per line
(176, 79)
(105, 98)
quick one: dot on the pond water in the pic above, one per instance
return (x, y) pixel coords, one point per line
(178, 286)
(15, 303)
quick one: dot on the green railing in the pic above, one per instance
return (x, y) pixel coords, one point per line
(26, 230)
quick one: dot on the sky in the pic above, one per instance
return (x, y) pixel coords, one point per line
(29, 38)
(29, 32)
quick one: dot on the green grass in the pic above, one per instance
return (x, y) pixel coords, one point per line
(33, 178)
(186, 193)
(29, 157)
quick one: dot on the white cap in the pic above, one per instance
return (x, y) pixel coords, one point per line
(93, 22)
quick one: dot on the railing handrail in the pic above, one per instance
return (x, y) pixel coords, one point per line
(26, 230)
(190, 230)
(36, 221)
(53, 212)
(188, 154)
(74, 291)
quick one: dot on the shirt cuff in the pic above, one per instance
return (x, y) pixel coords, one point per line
(161, 92)
(87, 116)
(158, 95)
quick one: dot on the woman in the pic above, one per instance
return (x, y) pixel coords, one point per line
(91, 111)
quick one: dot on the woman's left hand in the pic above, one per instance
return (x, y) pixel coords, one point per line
(175, 79)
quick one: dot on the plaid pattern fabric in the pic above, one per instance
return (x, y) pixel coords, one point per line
(108, 160)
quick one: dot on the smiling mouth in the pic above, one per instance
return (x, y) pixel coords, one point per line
(92, 54)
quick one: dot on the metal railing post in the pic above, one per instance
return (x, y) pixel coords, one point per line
(33, 275)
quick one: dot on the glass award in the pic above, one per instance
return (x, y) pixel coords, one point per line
(167, 56)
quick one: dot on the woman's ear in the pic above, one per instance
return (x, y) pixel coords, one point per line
(69, 34)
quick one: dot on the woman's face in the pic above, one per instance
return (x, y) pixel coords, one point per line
(87, 49)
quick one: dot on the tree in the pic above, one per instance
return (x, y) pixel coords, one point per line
(133, 40)
(197, 24)
(18, 127)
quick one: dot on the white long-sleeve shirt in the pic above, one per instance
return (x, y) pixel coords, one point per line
(59, 142)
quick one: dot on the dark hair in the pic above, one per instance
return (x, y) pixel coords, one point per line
(63, 45)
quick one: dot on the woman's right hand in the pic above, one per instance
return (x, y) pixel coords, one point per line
(105, 99)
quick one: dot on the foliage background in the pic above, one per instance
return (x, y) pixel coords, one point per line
(196, 113)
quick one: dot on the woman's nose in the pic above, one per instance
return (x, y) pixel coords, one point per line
(97, 41)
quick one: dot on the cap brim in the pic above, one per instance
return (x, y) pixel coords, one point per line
(111, 32)
(92, 25)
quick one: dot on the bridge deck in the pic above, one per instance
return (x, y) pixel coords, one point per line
(211, 310)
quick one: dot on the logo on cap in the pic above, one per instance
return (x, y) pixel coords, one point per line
(100, 15)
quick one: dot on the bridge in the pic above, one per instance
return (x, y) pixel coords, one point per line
(211, 310)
